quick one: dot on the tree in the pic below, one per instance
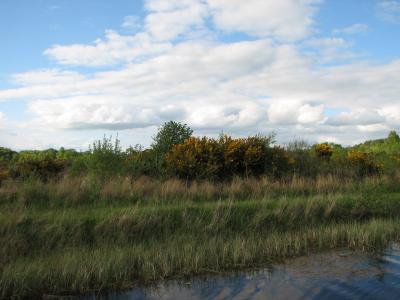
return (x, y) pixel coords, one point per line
(6, 154)
(105, 157)
(393, 137)
(170, 134)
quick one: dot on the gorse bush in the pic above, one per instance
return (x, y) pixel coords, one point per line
(364, 163)
(323, 151)
(226, 157)
(44, 169)
(196, 158)
(175, 153)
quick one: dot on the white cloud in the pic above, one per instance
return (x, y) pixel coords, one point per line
(389, 10)
(327, 42)
(114, 48)
(358, 116)
(373, 128)
(47, 76)
(2, 120)
(236, 87)
(291, 112)
(391, 112)
(131, 23)
(330, 49)
(169, 19)
(98, 112)
(182, 71)
(283, 19)
(357, 28)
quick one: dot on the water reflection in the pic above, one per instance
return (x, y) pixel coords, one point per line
(332, 275)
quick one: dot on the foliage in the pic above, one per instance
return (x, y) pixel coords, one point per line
(139, 161)
(196, 158)
(364, 163)
(45, 169)
(105, 158)
(226, 157)
(390, 145)
(323, 151)
(6, 154)
(170, 134)
(175, 153)
(58, 239)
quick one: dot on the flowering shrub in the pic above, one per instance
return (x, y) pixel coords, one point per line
(364, 163)
(323, 151)
(196, 158)
(225, 157)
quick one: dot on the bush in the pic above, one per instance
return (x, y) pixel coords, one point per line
(44, 169)
(245, 156)
(139, 162)
(105, 158)
(323, 151)
(6, 154)
(196, 158)
(364, 163)
(226, 157)
(4, 175)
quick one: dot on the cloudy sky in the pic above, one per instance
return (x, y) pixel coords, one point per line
(322, 70)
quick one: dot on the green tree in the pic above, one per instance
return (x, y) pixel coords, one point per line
(170, 133)
(105, 158)
(6, 154)
(393, 137)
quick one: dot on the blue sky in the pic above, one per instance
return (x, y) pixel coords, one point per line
(71, 71)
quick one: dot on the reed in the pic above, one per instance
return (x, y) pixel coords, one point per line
(85, 269)
(78, 234)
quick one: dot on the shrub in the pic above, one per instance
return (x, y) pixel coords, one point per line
(364, 163)
(139, 162)
(6, 154)
(323, 151)
(279, 162)
(196, 158)
(224, 158)
(44, 169)
(4, 175)
(170, 134)
(105, 158)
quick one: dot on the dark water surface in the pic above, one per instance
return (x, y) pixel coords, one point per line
(339, 274)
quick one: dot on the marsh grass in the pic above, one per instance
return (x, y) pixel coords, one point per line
(84, 269)
(81, 191)
(77, 235)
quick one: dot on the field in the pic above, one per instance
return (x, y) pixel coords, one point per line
(77, 235)
(75, 222)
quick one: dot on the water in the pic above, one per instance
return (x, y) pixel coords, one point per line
(339, 274)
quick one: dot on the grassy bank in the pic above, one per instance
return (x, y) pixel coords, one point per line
(77, 235)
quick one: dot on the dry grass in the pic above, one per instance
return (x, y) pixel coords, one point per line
(118, 190)
(77, 234)
(80, 270)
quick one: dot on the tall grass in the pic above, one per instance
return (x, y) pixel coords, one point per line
(85, 269)
(78, 191)
(79, 234)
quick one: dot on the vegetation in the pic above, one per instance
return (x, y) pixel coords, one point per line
(175, 153)
(108, 218)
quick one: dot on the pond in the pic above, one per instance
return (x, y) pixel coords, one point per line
(339, 274)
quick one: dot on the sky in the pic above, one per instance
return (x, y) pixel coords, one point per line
(72, 71)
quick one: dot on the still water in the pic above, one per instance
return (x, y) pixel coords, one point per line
(339, 274)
